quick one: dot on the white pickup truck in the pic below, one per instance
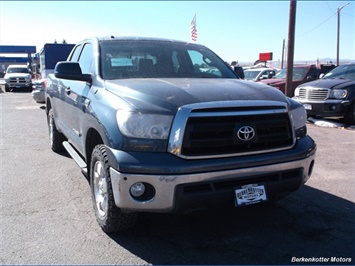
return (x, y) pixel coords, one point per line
(18, 77)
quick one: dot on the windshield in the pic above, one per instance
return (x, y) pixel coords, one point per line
(18, 70)
(251, 74)
(159, 59)
(341, 72)
(298, 73)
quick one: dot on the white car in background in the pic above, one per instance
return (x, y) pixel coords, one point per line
(38, 88)
(257, 74)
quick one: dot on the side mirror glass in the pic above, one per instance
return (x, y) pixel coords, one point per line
(71, 71)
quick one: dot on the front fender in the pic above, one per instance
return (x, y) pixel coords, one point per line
(99, 124)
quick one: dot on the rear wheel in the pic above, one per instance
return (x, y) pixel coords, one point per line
(108, 215)
(56, 138)
(350, 114)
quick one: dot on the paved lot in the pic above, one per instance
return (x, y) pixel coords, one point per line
(46, 215)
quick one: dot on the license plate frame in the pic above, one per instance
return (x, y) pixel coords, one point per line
(250, 194)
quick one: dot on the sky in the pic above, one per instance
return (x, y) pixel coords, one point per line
(235, 30)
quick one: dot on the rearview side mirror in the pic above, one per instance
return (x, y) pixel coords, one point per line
(71, 71)
(239, 71)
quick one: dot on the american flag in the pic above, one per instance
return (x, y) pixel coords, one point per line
(193, 29)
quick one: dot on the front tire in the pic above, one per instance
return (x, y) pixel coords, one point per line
(350, 115)
(56, 138)
(108, 215)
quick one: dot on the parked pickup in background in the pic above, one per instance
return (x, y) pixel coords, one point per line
(167, 126)
(331, 96)
(18, 77)
(300, 74)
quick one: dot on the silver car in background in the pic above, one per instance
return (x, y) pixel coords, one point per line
(38, 88)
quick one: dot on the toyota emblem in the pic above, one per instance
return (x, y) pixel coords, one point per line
(246, 133)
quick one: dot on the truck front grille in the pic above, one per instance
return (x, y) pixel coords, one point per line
(313, 94)
(218, 135)
(17, 80)
(244, 129)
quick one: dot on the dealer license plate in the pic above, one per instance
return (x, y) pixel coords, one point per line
(250, 194)
(307, 106)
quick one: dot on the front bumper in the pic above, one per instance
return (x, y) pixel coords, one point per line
(181, 188)
(327, 108)
(25, 85)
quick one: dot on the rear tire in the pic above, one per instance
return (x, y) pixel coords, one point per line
(56, 138)
(108, 215)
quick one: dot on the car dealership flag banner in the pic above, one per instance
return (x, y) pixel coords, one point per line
(193, 29)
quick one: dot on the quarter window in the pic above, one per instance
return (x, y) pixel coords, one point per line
(85, 59)
(75, 55)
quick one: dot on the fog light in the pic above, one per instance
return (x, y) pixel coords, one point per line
(333, 107)
(137, 189)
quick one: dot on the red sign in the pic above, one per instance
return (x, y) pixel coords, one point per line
(265, 56)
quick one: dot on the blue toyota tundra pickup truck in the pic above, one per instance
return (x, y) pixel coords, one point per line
(166, 126)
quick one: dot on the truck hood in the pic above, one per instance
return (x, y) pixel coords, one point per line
(273, 82)
(328, 83)
(169, 94)
(16, 75)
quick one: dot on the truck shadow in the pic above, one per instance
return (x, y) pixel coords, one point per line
(309, 223)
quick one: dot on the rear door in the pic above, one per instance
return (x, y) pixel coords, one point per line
(59, 89)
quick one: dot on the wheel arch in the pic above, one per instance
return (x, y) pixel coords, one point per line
(48, 105)
(93, 138)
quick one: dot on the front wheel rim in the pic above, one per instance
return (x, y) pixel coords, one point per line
(100, 189)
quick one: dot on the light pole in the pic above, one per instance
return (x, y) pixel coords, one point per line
(290, 48)
(339, 9)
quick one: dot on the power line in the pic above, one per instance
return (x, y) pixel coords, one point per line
(329, 6)
(316, 26)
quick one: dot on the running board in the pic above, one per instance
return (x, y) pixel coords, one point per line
(77, 158)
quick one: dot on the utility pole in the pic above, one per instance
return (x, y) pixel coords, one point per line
(290, 48)
(338, 30)
(283, 54)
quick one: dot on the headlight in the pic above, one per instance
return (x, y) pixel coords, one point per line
(299, 117)
(297, 92)
(144, 126)
(299, 120)
(28, 78)
(338, 94)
